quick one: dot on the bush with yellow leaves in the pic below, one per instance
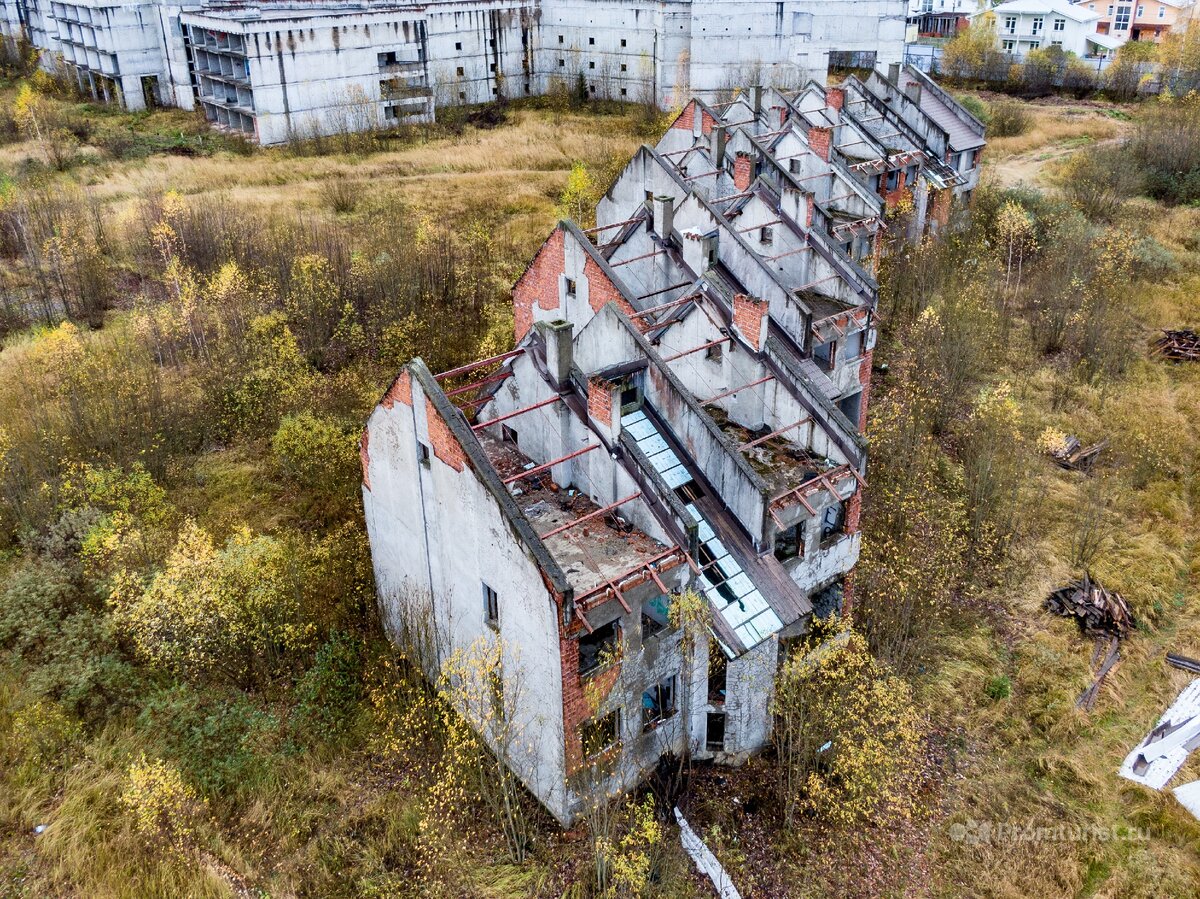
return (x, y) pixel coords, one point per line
(164, 807)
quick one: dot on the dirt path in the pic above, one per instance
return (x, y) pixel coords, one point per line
(1029, 168)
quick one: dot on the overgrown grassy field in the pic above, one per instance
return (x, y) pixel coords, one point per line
(187, 442)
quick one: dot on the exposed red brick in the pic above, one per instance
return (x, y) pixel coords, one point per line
(941, 206)
(687, 118)
(749, 316)
(742, 168)
(445, 445)
(809, 204)
(835, 97)
(600, 400)
(580, 702)
(601, 290)
(864, 378)
(365, 458)
(399, 392)
(820, 140)
(892, 198)
(538, 284)
(854, 512)
(707, 123)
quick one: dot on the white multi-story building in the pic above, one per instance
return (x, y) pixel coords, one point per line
(1024, 25)
(280, 69)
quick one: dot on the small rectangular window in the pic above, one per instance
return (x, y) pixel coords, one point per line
(422, 454)
(591, 65)
(562, 63)
(794, 166)
(491, 606)
(507, 434)
(600, 734)
(789, 543)
(624, 92)
(560, 38)
(624, 67)
(715, 352)
(570, 287)
(591, 40)
(492, 42)
(825, 354)
(462, 95)
(460, 71)
(833, 521)
(658, 703)
(493, 67)
(622, 42)
(765, 234)
(458, 45)
(655, 616)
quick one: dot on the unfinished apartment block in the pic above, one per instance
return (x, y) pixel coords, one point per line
(683, 411)
(282, 68)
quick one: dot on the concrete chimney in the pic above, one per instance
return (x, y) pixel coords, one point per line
(558, 335)
(699, 250)
(894, 73)
(756, 99)
(662, 209)
(718, 146)
(913, 90)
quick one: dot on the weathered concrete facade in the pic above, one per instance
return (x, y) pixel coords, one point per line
(282, 68)
(683, 411)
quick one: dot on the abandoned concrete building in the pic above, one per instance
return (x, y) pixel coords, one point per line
(279, 69)
(683, 410)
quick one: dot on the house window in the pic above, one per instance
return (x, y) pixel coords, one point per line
(1010, 24)
(714, 740)
(1033, 45)
(1122, 20)
(491, 607)
(591, 65)
(833, 521)
(460, 71)
(789, 543)
(825, 354)
(794, 166)
(1060, 24)
(570, 287)
(622, 42)
(658, 703)
(631, 397)
(623, 92)
(718, 675)
(765, 234)
(715, 352)
(562, 63)
(1141, 11)
(492, 42)
(458, 45)
(422, 454)
(508, 435)
(854, 345)
(1110, 10)
(1056, 43)
(655, 616)
(600, 734)
(851, 407)
(560, 38)
(493, 67)
(599, 649)
(893, 180)
(1038, 22)
(624, 67)
(591, 41)
(1162, 12)
(462, 95)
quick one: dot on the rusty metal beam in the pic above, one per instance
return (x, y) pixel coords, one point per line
(636, 258)
(488, 380)
(482, 362)
(507, 415)
(655, 293)
(696, 349)
(613, 225)
(722, 395)
(548, 465)
(763, 439)
(601, 511)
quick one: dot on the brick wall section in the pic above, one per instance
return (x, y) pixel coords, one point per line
(600, 400)
(445, 445)
(538, 284)
(687, 118)
(707, 123)
(809, 204)
(835, 97)
(820, 139)
(854, 512)
(864, 378)
(892, 197)
(941, 206)
(601, 290)
(580, 699)
(365, 458)
(742, 169)
(399, 392)
(748, 315)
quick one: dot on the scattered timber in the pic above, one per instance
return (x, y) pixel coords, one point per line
(1099, 612)
(1077, 457)
(1179, 346)
(1184, 663)
(1087, 699)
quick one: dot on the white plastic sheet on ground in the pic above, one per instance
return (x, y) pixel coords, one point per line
(1154, 761)
(706, 862)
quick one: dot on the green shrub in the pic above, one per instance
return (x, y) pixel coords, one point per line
(998, 687)
(1008, 118)
(974, 106)
(329, 695)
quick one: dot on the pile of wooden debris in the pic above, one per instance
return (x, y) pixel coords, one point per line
(1099, 612)
(1074, 455)
(1179, 346)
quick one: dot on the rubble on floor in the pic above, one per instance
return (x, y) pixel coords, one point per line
(1099, 612)
(1181, 345)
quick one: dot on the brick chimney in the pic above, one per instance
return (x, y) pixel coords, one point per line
(604, 406)
(750, 317)
(820, 140)
(835, 97)
(559, 348)
(742, 170)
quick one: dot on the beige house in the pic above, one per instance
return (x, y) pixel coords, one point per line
(1140, 20)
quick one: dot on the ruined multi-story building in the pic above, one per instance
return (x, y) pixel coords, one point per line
(683, 410)
(280, 68)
